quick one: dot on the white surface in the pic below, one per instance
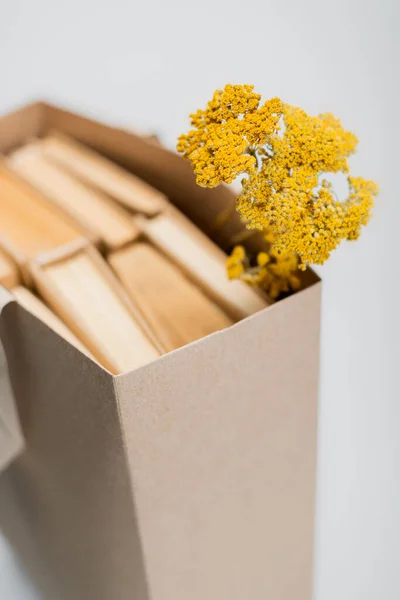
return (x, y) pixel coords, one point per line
(14, 585)
(147, 65)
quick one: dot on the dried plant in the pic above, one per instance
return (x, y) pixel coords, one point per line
(285, 156)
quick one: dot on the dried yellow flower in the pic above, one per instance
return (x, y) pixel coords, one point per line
(284, 155)
(235, 263)
(218, 146)
(274, 271)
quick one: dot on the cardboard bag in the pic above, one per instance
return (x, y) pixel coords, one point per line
(11, 440)
(190, 478)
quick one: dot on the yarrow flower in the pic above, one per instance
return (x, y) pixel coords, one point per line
(284, 155)
(273, 271)
(218, 145)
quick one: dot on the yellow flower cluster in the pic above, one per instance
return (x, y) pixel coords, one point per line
(232, 123)
(289, 195)
(284, 155)
(274, 271)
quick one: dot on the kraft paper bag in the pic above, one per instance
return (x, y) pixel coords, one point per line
(11, 440)
(190, 478)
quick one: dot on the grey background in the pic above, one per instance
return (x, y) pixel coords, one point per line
(146, 66)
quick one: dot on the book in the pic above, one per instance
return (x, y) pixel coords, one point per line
(29, 224)
(177, 311)
(36, 307)
(202, 261)
(82, 290)
(98, 214)
(9, 276)
(100, 172)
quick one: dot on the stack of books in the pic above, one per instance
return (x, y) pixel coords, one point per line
(106, 260)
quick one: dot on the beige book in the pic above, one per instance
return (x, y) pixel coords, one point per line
(202, 261)
(9, 276)
(177, 311)
(81, 288)
(95, 211)
(29, 224)
(100, 172)
(36, 307)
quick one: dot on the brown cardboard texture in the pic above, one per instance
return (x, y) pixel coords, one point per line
(189, 478)
(11, 438)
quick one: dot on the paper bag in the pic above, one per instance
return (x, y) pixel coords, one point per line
(191, 478)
